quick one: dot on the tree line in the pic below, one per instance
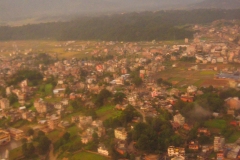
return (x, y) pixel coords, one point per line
(143, 26)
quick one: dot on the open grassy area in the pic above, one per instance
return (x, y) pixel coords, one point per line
(15, 153)
(233, 137)
(87, 156)
(73, 130)
(69, 116)
(106, 112)
(20, 123)
(54, 135)
(48, 89)
(208, 72)
(215, 124)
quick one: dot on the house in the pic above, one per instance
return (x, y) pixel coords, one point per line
(206, 148)
(193, 145)
(64, 124)
(97, 123)
(4, 103)
(204, 131)
(86, 138)
(187, 98)
(121, 147)
(175, 151)
(179, 119)
(187, 127)
(120, 107)
(58, 106)
(41, 106)
(233, 103)
(231, 112)
(218, 143)
(24, 83)
(85, 120)
(59, 91)
(21, 97)
(102, 150)
(191, 89)
(16, 134)
(178, 158)
(4, 137)
(175, 125)
(53, 122)
(220, 155)
(65, 102)
(152, 157)
(120, 133)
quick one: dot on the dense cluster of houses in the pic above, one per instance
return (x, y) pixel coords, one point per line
(82, 76)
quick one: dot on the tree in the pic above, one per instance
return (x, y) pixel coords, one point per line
(31, 148)
(44, 144)
(77, 104)
(137, 81)
(13, 98)
(102, 97)
(28, 150)
(30, 132)
(119, 97)
(66, 136)
(2, 91)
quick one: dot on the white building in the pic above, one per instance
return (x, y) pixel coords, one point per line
(175, 151)
(191, 89)
(120, 133)
(103, 150)
(179, 119)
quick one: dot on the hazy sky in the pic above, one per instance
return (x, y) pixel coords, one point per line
(10, 9)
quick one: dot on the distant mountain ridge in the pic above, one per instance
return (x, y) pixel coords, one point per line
(16, 9)
(55, 10)
(219, 4)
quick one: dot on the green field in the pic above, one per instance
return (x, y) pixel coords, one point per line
(15, 153)
(54, 135)
(233, 137)
(208, 72)
(73, 130)
(106, 112)
(20, 123)
(216, 124)
(48, 89)
(87, 156)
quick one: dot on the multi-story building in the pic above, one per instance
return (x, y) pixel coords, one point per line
(53, 122)
(175, 151)
(120, 133)
(16, 134)
(4, 103)
(218, 144)
(4, 137)
(22, 98)
(41, 106)
(179, 119)
(84, 120)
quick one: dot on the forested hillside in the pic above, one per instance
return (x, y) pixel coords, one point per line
(160, 25)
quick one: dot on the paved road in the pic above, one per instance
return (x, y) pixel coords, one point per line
(143, 115)
(51, 155)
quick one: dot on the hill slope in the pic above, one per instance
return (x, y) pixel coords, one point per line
(220, 4)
